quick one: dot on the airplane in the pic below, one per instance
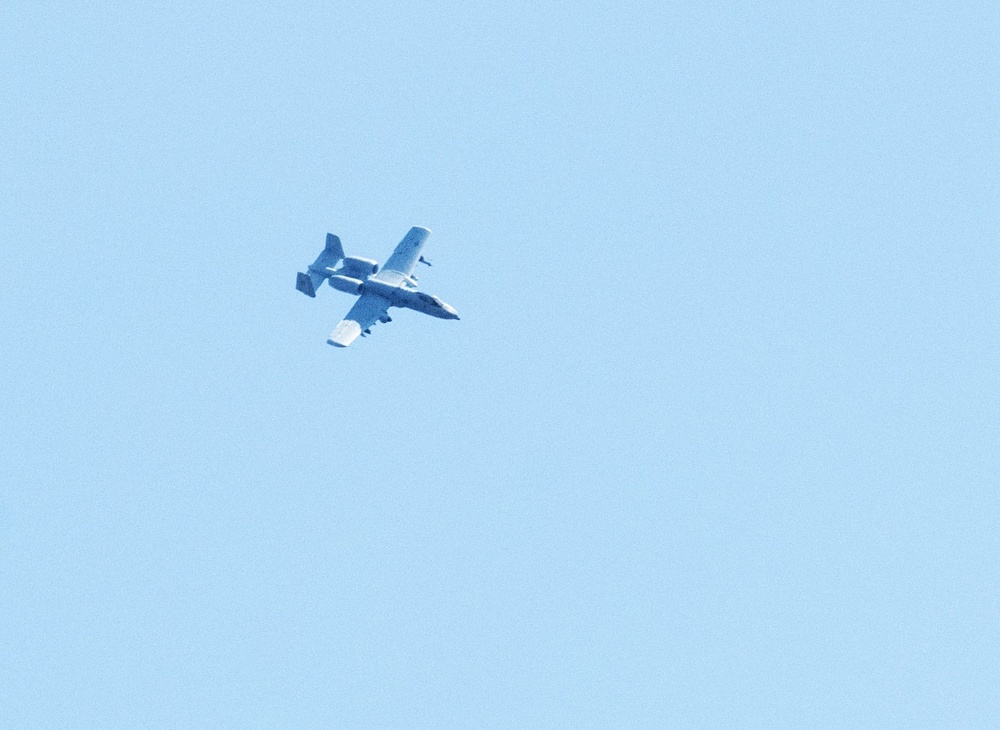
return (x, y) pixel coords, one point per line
(393, 286)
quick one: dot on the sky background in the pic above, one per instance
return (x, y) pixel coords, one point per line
(714, 444)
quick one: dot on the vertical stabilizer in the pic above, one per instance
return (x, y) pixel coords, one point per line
(322, 267)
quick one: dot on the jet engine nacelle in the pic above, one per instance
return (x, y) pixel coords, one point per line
(358, 267)
(346, 284)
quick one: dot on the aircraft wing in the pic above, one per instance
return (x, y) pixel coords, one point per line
(368, 310)
(407, 253)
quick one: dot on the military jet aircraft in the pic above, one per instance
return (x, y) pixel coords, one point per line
(393, 286)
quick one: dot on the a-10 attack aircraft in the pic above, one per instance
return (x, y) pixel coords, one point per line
(393, 286)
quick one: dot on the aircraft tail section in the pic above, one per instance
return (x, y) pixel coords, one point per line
(322, 268)
(307, 283)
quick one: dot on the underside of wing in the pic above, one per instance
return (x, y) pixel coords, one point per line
(407, 253)
(369, 309)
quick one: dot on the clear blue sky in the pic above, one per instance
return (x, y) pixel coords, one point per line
(715, 443)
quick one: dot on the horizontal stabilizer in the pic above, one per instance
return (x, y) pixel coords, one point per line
(322, 267)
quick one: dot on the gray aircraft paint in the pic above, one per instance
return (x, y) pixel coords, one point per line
(377, 291)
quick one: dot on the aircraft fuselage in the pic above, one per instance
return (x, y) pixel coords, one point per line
(397, 291)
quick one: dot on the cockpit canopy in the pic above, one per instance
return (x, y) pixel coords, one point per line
(430, 299)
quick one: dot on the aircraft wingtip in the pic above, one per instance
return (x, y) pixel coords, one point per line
(344, 333)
